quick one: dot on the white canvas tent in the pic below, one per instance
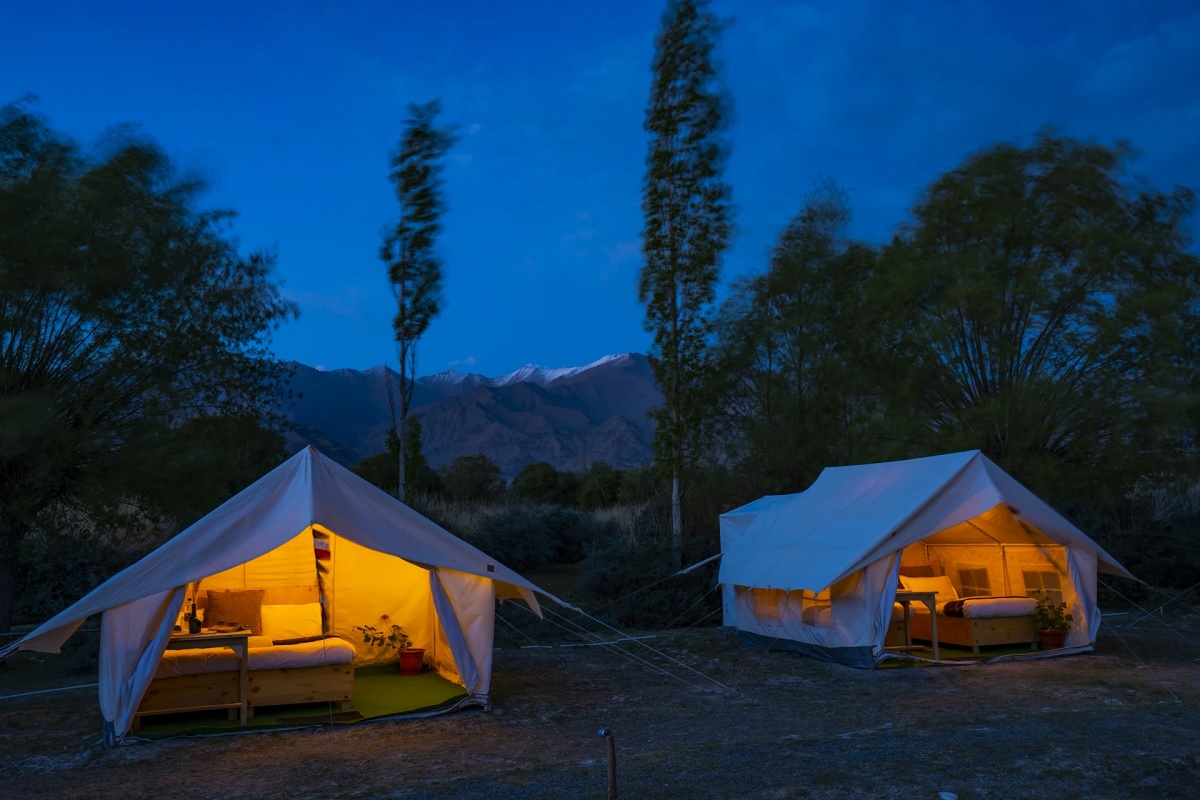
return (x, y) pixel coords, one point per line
(838, 546)
(385, 559)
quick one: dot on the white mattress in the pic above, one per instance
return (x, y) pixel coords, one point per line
(290, 656)
(987, 607)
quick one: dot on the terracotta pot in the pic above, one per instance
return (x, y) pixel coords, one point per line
(411, 661)
(1052, 640)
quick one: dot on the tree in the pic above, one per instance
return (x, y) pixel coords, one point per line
(542, 483)
(794, 349)
(414, 268)
(599, 486)
(685, 206)
(1046, 312)
(421, 476)
(124, 312)
(473, 478)
(383, 469)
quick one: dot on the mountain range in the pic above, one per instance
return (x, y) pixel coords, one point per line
(570, 418)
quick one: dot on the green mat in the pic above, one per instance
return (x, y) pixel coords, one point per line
(949, 653)
(378, 692)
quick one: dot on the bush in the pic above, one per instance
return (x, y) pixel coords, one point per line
(517, 538)
(54, 572)
(632, 584)
(1163, 550)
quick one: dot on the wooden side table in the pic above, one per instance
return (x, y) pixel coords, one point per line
(930, 600)
(238, 642)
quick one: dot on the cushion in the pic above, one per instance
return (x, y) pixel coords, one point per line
(917, 570)
(304, 639)
(239, 606)
(940, 584)
(281, 622)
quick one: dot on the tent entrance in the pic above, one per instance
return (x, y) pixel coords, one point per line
(379, 691)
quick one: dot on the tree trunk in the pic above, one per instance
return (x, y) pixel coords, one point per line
(402, 433)
(676, 522)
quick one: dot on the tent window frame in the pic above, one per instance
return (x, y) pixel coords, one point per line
(766, 603)
(969, 583)
(1036, 581)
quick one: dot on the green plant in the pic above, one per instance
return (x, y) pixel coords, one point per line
(1050, 616)
(390, 635)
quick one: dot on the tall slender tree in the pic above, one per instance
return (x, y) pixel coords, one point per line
(686, 211)
(409, 250)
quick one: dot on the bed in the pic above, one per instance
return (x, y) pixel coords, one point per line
(290, 660)
(971, 622)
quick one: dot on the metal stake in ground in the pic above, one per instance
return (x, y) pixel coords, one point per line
(612, 762)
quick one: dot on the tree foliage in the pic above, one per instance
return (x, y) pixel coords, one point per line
(1047, 312)
(409, 249)
(125, 311)
(383, 469)
(686, 212)
(793, 352)
(599, 486)
(1040, 307)
(542, 483)
(473, 478)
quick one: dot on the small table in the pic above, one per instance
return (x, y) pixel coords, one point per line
(238, 642)
(930, 600)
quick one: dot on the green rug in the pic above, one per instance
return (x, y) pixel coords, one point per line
(378, 692)
(949, 653)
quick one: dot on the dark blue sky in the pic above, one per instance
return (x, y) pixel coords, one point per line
(290, 111)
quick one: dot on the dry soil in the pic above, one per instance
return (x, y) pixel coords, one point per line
(729, 722)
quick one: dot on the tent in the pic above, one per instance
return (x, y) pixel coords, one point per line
(379, 558)
(838, 548)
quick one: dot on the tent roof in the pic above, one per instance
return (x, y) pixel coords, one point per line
(852, 516)
(307, 489)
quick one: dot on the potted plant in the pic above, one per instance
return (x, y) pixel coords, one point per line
(393, 636)
(1052, 621)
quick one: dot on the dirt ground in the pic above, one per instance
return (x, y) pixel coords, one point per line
(1122, 722)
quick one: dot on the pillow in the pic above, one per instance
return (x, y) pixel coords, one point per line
(291, 621)
(304, 639)
(939, 584)
(240, 606)
(917, 570)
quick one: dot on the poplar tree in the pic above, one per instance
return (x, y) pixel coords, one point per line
(409, 250)
(686, 212)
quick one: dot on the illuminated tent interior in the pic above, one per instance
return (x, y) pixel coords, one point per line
(817, 572)
(321, 551)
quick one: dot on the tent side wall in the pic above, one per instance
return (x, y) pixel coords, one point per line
(846, 622)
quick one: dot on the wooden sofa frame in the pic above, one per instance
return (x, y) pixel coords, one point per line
(333, 683)
(976, 633)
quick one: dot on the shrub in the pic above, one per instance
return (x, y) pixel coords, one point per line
(632, 584)
(54, 572)
(1161, 550)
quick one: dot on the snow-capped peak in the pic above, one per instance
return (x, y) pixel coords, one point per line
(530, 373)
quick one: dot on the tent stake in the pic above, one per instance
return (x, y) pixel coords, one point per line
(612, 763)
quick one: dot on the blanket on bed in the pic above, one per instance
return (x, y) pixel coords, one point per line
(989, 607)
(328, 650)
